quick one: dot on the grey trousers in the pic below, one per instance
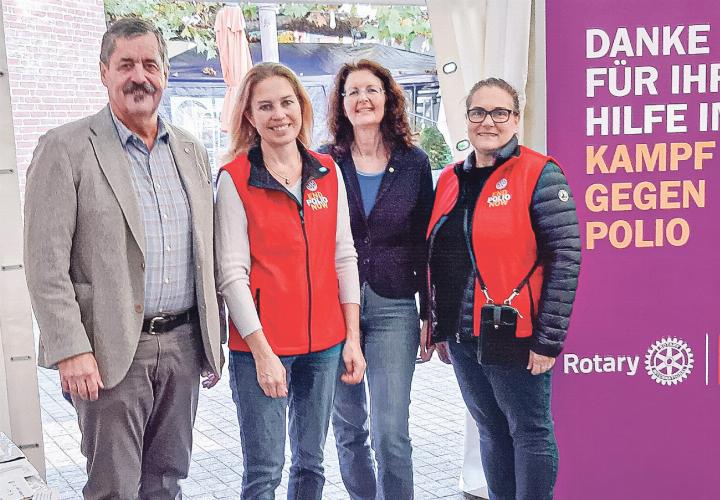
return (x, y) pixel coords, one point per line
(137, 437)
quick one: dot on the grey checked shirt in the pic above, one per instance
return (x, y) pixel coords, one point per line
(165, 213)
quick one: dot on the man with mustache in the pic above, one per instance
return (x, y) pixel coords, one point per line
(119, 258)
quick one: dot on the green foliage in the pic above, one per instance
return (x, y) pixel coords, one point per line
(399, 24)
(250, 11)
(194, 20)
(433, 142)
(176, 19)
(296, 10)
(293, 10)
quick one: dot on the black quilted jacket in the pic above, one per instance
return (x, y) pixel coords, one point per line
(558, 240)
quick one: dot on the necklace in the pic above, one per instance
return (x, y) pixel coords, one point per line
(278, 174)
(372, 163)
(357, 150)
(380, 152)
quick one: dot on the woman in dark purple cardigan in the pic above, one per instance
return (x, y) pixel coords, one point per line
(390, 194)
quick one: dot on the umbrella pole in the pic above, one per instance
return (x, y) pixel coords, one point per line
(268, 32)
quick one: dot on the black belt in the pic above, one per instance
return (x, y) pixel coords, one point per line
(167, 322)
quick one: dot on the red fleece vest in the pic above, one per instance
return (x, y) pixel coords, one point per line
(292, 262)
(503, 239)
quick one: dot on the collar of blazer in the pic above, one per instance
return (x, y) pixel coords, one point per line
(114, 163)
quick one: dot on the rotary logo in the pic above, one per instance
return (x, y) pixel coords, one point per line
(501, 184)
(669, 361)
(563, 195)
(317, 200)
(311, 185)
(498, 198)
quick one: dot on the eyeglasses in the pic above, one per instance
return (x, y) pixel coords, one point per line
(497, 115)
(370, 91)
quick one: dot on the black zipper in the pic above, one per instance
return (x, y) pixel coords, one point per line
(257, 302)
(532, 305)
(276, 186)
(468, 244)
(301, 213)
(307, 271)
(431, 292)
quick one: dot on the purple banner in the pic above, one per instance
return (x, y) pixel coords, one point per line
(633, 117)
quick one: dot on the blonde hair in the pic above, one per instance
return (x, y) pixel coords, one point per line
(243, 135)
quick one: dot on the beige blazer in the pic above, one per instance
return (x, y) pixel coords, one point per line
(84, 245)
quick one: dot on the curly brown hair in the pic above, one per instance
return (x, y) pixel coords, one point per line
(394, 127)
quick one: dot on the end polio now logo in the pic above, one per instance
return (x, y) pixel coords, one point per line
(668, 362)
(316, 200)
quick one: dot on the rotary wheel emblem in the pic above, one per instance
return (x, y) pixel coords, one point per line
(669, 361)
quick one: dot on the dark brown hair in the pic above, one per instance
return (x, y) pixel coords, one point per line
(130, 27)
(394, 127)
(498, 83)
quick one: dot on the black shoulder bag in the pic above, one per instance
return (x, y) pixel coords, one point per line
(498, 344)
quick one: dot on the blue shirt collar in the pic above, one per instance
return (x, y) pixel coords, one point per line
(126, 134)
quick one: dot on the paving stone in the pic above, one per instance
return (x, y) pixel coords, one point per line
(437, 419)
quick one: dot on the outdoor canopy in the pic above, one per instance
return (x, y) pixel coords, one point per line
(310, 59)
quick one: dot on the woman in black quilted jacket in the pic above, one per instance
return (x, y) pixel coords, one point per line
(504, 258)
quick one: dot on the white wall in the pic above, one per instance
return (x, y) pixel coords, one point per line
(19, 402)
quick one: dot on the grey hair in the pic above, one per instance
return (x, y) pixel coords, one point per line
(497, 83)
(130, 27)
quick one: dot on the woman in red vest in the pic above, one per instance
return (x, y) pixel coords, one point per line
(504, 258)
(287, 270)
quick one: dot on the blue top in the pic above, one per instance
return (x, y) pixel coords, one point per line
(369, 187)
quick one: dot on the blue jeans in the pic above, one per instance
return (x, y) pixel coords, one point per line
(391, 334)
(511, 407)
(311, 382)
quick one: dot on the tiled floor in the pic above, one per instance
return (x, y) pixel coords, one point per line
(436, 425)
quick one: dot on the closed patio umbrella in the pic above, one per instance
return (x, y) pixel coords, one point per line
(234, 56)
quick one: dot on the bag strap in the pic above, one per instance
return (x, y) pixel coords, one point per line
(516, 290)
(476, 271)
